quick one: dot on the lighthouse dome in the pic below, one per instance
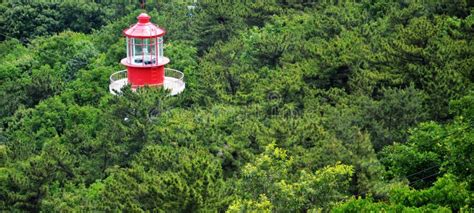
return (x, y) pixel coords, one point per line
(144, 28)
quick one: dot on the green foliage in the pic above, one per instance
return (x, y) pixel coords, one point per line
(390, 118)
(262, 205)
(40, 70)
(432, 147)
(368, 205)
(217, 21)
(463, 107)
(83, 16)
(26, 20)
(446, 191)
(171, 178)
(445, 195)
(15, 60)
(274, 175)
(434, 56)
(161, 178)
(290, 106)
(73, 198)
(67, 51)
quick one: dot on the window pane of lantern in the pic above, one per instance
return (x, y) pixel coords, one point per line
(138, 48)
(144, 51)
(146, 47)
(160, 46)
(128, 48)
(152, 50)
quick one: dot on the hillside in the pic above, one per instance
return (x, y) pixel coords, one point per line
(289, 106)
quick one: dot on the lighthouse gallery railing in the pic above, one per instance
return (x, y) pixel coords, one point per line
(171, 73)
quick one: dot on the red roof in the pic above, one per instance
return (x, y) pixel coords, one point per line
(144, 28)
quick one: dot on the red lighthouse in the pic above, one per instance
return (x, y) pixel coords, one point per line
(145, 60)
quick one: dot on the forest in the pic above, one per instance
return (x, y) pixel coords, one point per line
(289, 106)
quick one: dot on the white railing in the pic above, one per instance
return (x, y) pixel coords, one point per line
(116, 76)
(120, 75)
(174, 81)
(174, 74)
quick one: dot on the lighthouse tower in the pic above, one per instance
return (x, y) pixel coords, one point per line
(145, 60)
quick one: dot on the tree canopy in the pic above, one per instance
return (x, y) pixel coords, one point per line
(289, 106)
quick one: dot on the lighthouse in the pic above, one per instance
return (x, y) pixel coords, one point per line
(145, 60)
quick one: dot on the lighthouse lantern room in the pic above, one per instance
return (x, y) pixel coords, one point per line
(145, 60)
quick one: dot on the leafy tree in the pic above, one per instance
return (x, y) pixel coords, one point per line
(432, 147)
(389, 119)
(431, 55)
(25, 20)
(299, 190)
(160, 178)
(41, 71)
(445, 195)
(68, 52)
(45, 82)
(15, 59)
(358, 205)
(262, 205)
(217, 21)
(28, 182)
(447, 191)
(84, 16)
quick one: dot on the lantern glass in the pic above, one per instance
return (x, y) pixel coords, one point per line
(160, 47)
(142, 51)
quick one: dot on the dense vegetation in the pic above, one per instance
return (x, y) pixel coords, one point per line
(289, 107)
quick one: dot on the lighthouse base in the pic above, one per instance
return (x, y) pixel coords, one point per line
(173, 81)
